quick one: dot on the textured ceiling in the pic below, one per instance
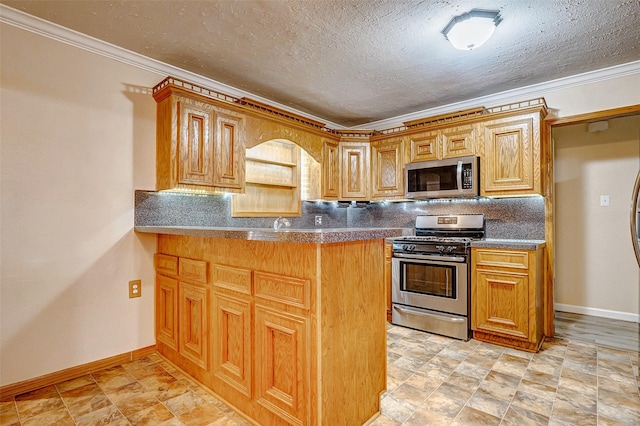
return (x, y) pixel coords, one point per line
(353, 62)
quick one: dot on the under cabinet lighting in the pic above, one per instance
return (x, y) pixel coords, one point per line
(472, 29)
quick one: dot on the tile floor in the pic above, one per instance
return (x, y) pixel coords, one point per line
(432, 380)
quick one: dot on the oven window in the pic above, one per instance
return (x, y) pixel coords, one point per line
(434, 280)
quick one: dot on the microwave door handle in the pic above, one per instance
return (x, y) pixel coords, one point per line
(459, 175)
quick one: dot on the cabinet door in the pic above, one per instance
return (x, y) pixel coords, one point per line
(281, 364)
(511, 161)
(229, 151)
(425, 146)
(458, 141)
(195, 136)
(330, 171)
(501, 304)
(355, 171)
(167, 311)
(194, 324)
(387, 165)
(232, 342)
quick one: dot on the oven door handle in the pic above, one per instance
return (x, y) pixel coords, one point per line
(425, 314)
(427, 257)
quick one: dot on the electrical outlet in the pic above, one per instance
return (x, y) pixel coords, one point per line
(135, 288)
(318, 220)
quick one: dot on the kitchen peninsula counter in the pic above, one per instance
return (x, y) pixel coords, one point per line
(316, 235)
(287, 326)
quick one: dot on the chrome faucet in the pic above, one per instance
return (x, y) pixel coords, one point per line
(279, 222)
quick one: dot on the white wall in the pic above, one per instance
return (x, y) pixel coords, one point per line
(77, 137)
(596, 271)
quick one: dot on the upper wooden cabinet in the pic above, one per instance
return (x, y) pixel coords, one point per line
(354, 171)
(330, 170)
(424, 146)
(511, 161)
(387, 169)
(458, 141)
(450, 142)
(199, 145)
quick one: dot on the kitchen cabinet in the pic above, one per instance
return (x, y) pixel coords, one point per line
(244, 307)
(448, 142)
(272, 181)
(182, 308)
(330, 170)
(199, 143)
(511, 159)
(458, 141)
(424, 146)
(387, 169)
(354, 171)
(507, 297)
(288, 324)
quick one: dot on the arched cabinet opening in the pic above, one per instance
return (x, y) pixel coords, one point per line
(279, 175)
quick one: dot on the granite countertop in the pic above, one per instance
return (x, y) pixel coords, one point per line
(508, 244)
(317, 235)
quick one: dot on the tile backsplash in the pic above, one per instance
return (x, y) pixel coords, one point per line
(512, 218)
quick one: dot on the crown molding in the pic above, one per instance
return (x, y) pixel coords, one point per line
(511, 96)
(59, 33)
(65, 35)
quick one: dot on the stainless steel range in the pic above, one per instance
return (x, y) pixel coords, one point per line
(431, 274)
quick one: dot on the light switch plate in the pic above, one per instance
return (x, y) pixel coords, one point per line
(604, 201)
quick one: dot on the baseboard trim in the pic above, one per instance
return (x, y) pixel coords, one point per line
(603, 313)
(73, 372)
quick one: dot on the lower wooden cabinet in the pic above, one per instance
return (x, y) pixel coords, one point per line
(167, 311)
(260, 351)
(507, 297)
(193, 324)
(286, 333)
(232, 348)
(281, 364)
(182, 308)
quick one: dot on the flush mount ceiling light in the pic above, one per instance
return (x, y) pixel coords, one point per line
(472, 29)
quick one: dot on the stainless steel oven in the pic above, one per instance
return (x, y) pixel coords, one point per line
(431, 275)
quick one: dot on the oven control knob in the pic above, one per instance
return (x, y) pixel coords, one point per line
(450, 249)
(440, 249)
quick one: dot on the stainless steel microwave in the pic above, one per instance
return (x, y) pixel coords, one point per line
(449, 178)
